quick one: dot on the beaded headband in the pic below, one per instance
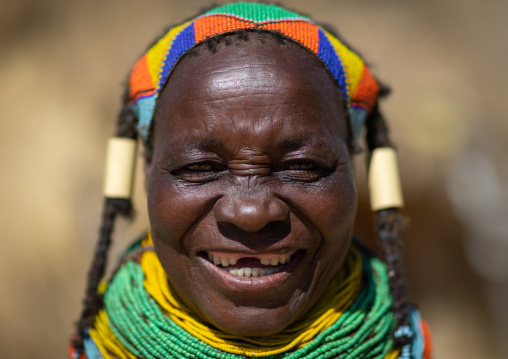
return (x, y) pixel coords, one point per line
(147, 79)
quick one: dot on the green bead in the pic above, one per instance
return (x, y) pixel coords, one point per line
(362, 331)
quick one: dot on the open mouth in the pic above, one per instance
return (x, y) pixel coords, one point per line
(250, 266)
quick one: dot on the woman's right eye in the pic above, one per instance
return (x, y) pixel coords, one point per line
(199, 171)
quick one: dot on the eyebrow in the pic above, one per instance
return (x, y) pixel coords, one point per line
(286, 144)
(209, 144)
(206, 145)
(302, 140)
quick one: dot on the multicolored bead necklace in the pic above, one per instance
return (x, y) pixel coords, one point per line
(144, 318)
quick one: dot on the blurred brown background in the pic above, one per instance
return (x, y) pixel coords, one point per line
(62, 65)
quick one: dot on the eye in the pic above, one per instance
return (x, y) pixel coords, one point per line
(200, 167)
(205, 171)
(304, 170)
(301, 166)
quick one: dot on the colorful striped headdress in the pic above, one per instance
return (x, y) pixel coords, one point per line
(146, 81)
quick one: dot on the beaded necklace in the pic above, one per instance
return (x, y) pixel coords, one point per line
(144, 318)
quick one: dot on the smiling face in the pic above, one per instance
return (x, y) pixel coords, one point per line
(250, 188)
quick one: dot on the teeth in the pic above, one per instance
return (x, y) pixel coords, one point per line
(224, 261)
(275, 261)
(269, 260)
(253, 272)
(216, 260)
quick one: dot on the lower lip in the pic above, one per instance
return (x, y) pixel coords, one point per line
(242, 283)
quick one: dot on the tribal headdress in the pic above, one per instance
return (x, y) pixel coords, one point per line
(149, 75)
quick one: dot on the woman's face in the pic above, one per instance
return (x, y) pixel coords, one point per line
(250, 175)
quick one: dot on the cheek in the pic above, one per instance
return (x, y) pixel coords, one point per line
(340, 207)
(330, 206)
(174, 208)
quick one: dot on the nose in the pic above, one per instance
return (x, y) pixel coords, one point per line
(250, 211)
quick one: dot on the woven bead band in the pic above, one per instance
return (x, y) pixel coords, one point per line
(384, 183)
(120, 166)
(147, 79)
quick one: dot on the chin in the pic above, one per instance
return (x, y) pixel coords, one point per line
(260, 306)
(253, 322)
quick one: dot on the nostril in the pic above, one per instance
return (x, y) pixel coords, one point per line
(250, 213)
(271, 232)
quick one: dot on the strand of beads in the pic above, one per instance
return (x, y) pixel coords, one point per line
(362, 331)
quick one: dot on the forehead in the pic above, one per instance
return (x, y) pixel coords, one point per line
(247, 87)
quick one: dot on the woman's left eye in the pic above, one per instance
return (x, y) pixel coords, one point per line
(301, 166)
(305, 171)
(200, 167)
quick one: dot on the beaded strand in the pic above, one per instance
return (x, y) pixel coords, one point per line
(138, 323)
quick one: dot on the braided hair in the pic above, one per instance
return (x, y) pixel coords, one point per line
(389, 225)
(388, 222)
(112, 208)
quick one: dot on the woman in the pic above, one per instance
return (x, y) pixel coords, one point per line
(249, 115)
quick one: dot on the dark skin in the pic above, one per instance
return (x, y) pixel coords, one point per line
(250, 157)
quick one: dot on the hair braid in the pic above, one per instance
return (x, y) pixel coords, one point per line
(389, 226)
(126, 127)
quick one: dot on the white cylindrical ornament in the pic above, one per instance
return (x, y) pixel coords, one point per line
(384, 181)
(120, 166)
